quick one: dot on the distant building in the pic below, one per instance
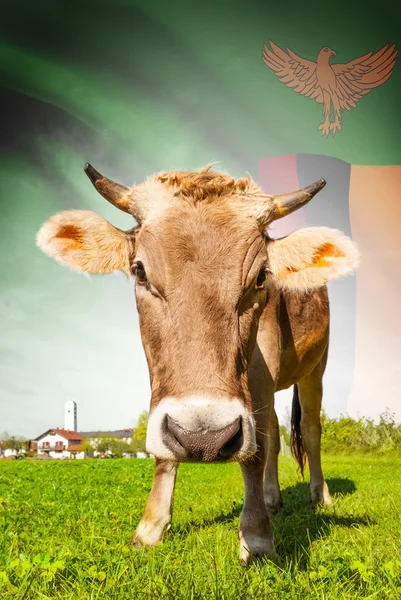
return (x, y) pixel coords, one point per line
(65, 443)
(58, 444)
(122, 434)
(13, 447)
(8, 453)
(70, 416)
(95, 437)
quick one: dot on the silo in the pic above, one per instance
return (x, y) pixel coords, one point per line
(70, 415)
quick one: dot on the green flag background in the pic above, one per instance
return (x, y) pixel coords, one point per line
(137, 87)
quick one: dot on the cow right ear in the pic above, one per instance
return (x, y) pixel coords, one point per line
(308, 258)
(82, 240)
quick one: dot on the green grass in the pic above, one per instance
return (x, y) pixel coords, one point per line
(65, 528)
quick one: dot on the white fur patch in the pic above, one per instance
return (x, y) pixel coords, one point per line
(151, 198)
(150, 532)
(199, 412)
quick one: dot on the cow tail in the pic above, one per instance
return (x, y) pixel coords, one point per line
(297, 448)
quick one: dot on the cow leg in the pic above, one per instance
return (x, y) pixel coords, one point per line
(255, 530)
(159, 506)
(271, 487)
(310, 396)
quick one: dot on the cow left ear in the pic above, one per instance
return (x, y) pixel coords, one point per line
(84, 241)
(307, 259)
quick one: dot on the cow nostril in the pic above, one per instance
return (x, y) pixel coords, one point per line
(177, 432)
(173, 439)
(234, 444)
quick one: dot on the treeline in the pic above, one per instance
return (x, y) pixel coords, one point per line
(345, 434)
(363, 435)
(104, 444)
(338, 435)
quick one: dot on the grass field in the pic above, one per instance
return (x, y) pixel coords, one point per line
(65, 528)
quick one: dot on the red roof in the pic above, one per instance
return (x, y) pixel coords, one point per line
(69, 435)
(65, 433)
(74, 448)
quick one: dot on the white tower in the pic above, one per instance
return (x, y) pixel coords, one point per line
(70, 415)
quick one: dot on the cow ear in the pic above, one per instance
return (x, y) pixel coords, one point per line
(307, 259)
(84, 241)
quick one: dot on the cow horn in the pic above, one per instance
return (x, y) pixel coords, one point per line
(285, 204)
(118, 195)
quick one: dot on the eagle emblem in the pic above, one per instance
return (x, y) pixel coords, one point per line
(337, 86)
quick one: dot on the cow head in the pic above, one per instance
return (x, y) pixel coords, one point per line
(204, 271)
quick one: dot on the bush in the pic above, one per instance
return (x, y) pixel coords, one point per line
(363, 435)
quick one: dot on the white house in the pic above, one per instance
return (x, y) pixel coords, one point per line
(59, 443)
(9, 452)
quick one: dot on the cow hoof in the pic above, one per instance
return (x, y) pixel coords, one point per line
(148, 534)
(254, 547)
(321, 496)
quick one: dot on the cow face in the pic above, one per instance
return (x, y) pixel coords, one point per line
(200, 290)
(203, 270)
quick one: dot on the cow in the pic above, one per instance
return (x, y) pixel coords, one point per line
(228, 316)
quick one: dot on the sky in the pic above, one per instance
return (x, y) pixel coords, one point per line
(134, 88)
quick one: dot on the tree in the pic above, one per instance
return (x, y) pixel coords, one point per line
(103, 444)
(285, 435)
(113, 446)
(138, 443)
(118, 447)
(87, 446)
(14, 443)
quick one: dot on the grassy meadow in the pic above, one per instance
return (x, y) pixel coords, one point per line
(65, 528)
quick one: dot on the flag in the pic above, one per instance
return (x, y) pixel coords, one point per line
(365, 332)
(138, 87)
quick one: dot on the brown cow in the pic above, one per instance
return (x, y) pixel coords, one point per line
(228, 316)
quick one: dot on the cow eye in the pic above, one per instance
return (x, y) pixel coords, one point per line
(261, 278)
(141, 273)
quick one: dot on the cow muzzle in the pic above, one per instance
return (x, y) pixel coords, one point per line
(203, 445)
(199, 429)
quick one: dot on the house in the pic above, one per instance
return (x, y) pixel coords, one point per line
(95, 438)
(59, 443)
(125, 435)
(8, 453)
(65, 443)
(12, 448)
